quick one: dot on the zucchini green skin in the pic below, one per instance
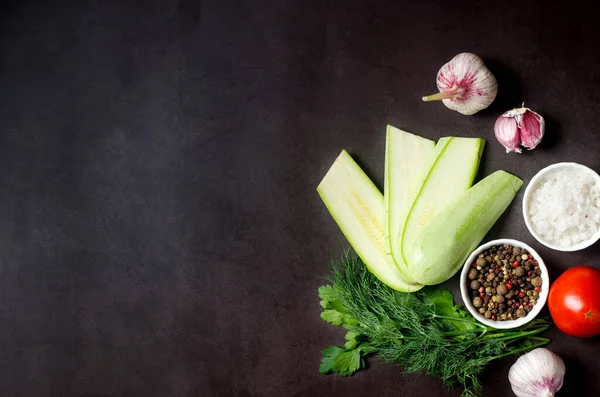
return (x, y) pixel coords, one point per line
(451, 174)
(443, 246)
(356, 205)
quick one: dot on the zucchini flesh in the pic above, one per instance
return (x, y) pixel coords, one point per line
(451, 174)
(356, 205)
(442, 247)
(408, 158)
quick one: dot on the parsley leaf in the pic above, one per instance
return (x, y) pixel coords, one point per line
(443, 301)
(329, 354)
(330, 299)
(337, 318)
(352, 339)
(327, 293)
(335, 312)
(333, 316)
(347, 362)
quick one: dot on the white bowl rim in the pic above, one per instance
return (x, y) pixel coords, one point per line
(579, 246)
(506, 324)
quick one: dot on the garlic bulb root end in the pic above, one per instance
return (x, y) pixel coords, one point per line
(466, 83)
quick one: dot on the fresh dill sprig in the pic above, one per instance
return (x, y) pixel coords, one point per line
(422, 332)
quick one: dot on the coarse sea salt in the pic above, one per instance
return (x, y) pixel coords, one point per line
(564, 207)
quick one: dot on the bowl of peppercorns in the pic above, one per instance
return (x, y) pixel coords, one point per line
(504, 283)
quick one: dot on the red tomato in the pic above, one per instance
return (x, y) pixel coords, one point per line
(574, 302)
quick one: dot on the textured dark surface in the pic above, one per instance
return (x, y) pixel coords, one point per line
(160, 233)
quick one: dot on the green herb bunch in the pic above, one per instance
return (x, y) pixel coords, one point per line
(422, 332)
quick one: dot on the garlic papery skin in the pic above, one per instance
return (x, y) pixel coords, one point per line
(539, 373)
(466, 85)
(519, 127)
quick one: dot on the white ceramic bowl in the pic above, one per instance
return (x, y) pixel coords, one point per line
(505, 324)
(527, 196)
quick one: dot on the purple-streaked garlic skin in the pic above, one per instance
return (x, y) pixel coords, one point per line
(506, 131)
(533, 128)
(466, 85)
(519, 127)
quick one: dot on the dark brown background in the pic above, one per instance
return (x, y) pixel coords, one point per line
(160, 232)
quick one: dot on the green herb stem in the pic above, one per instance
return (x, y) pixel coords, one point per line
(542, 342)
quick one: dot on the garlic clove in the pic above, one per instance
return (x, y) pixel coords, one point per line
(466, 85)
(519, 127)
(539, 373)
(506, 131)
(532, 129)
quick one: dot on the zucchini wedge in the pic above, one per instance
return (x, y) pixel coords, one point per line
(451, 174)
(356, 205)
(408, 158)
(443, 246)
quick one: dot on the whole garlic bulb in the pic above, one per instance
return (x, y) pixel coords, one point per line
(539, 373)
(466, 85)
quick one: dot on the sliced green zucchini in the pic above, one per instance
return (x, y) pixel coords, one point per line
(357, 207)
(443, 245)
(451, 174)
(408, 158)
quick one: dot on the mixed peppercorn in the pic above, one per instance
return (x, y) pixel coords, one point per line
(504, 283)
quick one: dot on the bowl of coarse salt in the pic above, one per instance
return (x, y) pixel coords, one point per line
(561, 206)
